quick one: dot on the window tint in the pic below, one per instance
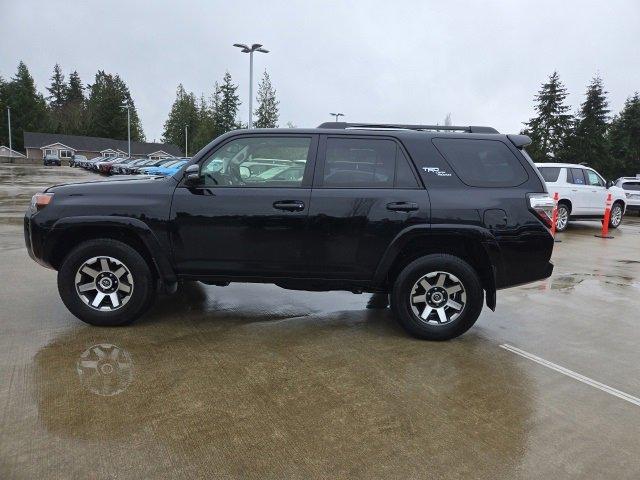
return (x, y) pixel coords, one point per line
(578, 176)
(353, 162)
(259, 162)
(550, 174)
(632, 186)
(594, 179)
(482, 163)
(404, 173)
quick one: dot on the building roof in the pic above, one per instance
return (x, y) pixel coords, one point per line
(97, 144)
(11, 151)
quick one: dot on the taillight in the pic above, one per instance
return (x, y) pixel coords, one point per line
(542, 205)
(41, 200)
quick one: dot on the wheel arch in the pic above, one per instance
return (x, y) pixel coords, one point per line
(475, 245)
(69, 232)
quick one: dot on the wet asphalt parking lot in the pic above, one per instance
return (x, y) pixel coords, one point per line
(252, 381)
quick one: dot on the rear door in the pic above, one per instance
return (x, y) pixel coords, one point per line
(580, 192)
(365, 192)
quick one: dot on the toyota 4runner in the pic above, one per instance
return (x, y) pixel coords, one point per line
(438, 218)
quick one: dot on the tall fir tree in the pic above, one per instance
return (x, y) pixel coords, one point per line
(207, 129)
(28, 108)
(106, 115)
(74, 110)
(57, 90)
(624, 138)
(267, 112)
(226, 114)
(589, 142)
(551, 126)
(184, 112)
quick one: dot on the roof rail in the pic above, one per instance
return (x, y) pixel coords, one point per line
(396, 126)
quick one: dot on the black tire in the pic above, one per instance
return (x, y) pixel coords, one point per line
(563, 209)
(412, 273)
(143, 287)
(613, 221)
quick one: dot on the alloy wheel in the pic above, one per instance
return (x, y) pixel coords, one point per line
(563, 218)
(438, 298)
(616, 215)
(104, 283)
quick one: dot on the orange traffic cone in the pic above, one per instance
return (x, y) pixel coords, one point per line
(605, 220)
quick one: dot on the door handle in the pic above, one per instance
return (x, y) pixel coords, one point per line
(574, 190)
(289, 205)
(402, 206)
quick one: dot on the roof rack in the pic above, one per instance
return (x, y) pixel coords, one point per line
(396, 126)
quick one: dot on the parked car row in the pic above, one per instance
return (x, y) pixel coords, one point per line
(132, 166)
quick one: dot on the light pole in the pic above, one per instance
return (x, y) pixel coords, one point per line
(128, 127)
(337, 115)
(256, 47)
(9, 124)
(186, 151)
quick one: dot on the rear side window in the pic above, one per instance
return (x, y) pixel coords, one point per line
(482, 163)
(632, 186)
(355, 162)
(550, 174)
(577, 176)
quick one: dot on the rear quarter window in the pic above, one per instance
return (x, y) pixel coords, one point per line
(482, 163)
(631, 186)
(550, 174)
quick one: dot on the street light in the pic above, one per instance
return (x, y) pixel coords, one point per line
(256, 47)
(186, 154)
(337, 115)
(9, 125)
(128, 127)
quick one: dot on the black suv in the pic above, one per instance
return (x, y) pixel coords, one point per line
(437, 217)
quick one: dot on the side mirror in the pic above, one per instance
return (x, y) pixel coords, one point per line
(609, 184)
(192, 175)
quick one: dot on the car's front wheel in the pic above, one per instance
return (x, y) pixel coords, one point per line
(615, 218)
(106, 282)
(437, 297)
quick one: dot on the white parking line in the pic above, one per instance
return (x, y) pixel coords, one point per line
(572, 374)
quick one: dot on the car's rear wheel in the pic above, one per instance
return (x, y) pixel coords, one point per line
(437, 297)
(615, 218)
(562, 219)
(106, 282)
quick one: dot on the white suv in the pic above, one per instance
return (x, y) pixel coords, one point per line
(582, 193)
(631, 187)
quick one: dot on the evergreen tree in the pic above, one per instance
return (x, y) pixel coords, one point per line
(184, 112)
(589, 141)
(624, 139)
(57, 90)
(106, 117)
(207, 129)
(4, 134)
(551, 126)
(73, 113)
(225, 115)
(267, 111)
(28, 107)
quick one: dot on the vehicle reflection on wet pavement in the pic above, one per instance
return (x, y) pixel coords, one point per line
(253, 381)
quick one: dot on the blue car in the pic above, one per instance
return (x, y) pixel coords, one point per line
(166, 169)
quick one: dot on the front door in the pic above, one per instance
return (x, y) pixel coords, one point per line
(365, 192)
(247, 215)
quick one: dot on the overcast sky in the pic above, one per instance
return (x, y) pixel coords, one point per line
(376, 61)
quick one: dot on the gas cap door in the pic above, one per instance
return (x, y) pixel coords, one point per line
(495, 219)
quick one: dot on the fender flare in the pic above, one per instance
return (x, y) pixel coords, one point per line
(159, 256)
(482, 237)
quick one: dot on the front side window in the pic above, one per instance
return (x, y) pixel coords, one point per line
(354, 162)
(594, 179)
(482, 163)
(258, 162)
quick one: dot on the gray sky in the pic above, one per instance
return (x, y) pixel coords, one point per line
(376, 61)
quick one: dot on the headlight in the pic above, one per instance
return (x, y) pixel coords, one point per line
(41, 200)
